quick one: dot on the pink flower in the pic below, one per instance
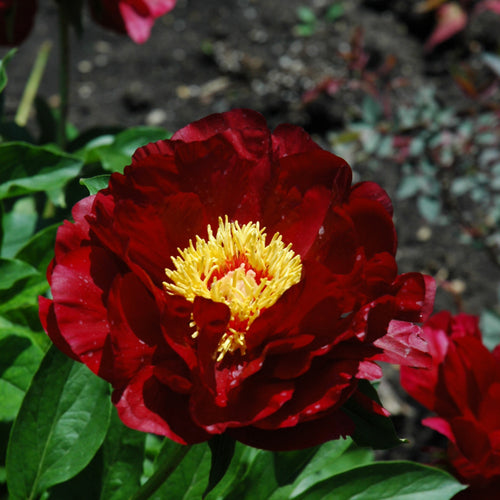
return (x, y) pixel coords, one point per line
(463, 388)
(132, 17)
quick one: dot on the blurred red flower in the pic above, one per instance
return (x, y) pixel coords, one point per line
(463, 388)
(132, 17)
(233, 280)
(16, 20)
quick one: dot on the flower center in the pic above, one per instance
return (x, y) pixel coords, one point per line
(237, 268)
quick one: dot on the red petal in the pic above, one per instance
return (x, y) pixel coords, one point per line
(371, 191)
(304, 435)
(148, 406)
(374, 226)
(404, 345)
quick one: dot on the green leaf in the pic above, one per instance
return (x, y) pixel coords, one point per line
(3, 64)
(1, 226)
(288, 465)
(493, 61)
(12, 270)
(250, 476)
(334, 12)
(190, 477)
(222, 450)
(19, 360)
(116, 155)
(375, 431)
(306, 15)
(27, 169)
(39, 250)
(490, 328)
(18, 225)
(386, 480)
(62, 423)
(123, 454)
(429, 207)
(86, 485)
(95, 184)
(329, 459)
(371, 110)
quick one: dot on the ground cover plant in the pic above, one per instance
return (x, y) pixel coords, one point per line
(218, 310)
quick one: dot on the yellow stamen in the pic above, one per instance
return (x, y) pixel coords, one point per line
(237, 268)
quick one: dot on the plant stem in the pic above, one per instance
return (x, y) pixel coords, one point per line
(32, 85)
(162, 473)
(64, 55)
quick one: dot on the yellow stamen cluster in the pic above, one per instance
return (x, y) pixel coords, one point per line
(237, 268)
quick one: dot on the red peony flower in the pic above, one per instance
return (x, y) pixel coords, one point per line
(463, 388)
(16, 20)
(232, 280)
(132, 17)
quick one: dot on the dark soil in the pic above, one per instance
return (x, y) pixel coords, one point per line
(209, 56)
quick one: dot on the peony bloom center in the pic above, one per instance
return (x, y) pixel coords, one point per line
(235, 267)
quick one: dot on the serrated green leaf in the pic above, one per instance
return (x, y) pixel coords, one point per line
(61, 424)
(95, 184)
(386, 481)
(13, 270)
(122, 457)
(25, 169)
(375, 431)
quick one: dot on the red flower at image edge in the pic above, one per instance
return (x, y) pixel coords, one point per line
(463, 388)
(232, 280)
(16, 20)
(132, 17)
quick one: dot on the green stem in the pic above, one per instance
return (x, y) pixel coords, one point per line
(31, 89)
(162, 473)
(64, 54)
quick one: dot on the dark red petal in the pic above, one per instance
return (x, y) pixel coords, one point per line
(249, 403)
(374, 226)
(372, 191)
(149, 406)
(71, 236)
(291, 140)
(49, 324)
(414, 296)
(134, 330)
(235, 121)
(80, 284)
(326, 385)
(470, 439)
(303, 435)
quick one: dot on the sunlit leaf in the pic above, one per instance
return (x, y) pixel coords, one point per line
(60, 426)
